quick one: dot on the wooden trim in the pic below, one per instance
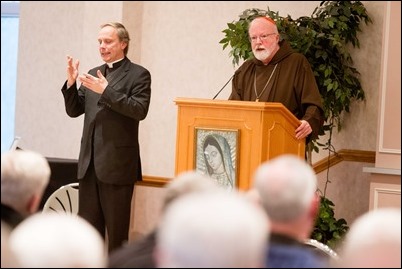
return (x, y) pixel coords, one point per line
(153, 181)
(350, 155)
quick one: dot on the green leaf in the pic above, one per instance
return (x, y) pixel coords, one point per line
(231, 26)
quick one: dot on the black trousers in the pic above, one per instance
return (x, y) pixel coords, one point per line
(106, 206)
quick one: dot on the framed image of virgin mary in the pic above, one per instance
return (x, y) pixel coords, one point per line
(216, 155)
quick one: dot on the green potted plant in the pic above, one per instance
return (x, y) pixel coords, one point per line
(324, 38)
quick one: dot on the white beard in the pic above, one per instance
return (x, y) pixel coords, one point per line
(262, 55)
(265, 54)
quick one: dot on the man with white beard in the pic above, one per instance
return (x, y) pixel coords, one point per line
(278, 74)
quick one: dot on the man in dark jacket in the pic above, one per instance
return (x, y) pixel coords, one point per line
(114, 97)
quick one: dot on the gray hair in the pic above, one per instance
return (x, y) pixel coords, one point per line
(216, 229)
(373, 240)
(52, 240)
(187, 183)
(23, 175)
(286, 185)
(122, 33)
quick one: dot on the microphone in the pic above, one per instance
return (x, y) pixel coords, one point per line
(223, 87)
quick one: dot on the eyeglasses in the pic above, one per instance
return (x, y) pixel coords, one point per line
(261, 37)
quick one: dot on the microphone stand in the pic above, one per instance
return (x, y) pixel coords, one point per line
(223, 87)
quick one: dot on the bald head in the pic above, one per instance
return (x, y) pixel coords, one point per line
(264, 23)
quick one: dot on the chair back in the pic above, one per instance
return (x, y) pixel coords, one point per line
(63, 200)
(322, 249)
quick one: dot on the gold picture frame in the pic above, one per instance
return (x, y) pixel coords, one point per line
(216, 155)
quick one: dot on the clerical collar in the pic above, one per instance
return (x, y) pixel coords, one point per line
(115, 63)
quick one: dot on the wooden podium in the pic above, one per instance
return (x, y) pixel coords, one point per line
(257, 131)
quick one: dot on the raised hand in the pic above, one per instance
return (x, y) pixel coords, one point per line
(72, 70)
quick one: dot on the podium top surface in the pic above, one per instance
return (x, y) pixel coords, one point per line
(236, 104)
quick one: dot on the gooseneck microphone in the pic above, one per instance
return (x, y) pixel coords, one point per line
(223, 87)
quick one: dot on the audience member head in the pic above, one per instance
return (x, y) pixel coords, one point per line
(24, 177)
(140, 253)
(187, 183)
(287, 189)
(57, 241)
(216, 229)
(373, 240)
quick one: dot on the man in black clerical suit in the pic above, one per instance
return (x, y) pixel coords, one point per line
(114, 96)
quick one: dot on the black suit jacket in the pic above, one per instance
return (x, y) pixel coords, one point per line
(111, 122)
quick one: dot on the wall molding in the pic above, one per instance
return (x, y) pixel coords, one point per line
(385, 88)
(350, 155)
(382, 171)
(153, 181)
(385, 191)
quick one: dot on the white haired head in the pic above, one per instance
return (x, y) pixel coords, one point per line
(374, 240)
(24, 176)
(286, 185)
(186, 183)
(54, 240)
(216, 229)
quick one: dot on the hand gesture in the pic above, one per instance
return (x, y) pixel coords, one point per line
(72, 70)
(95, 84)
